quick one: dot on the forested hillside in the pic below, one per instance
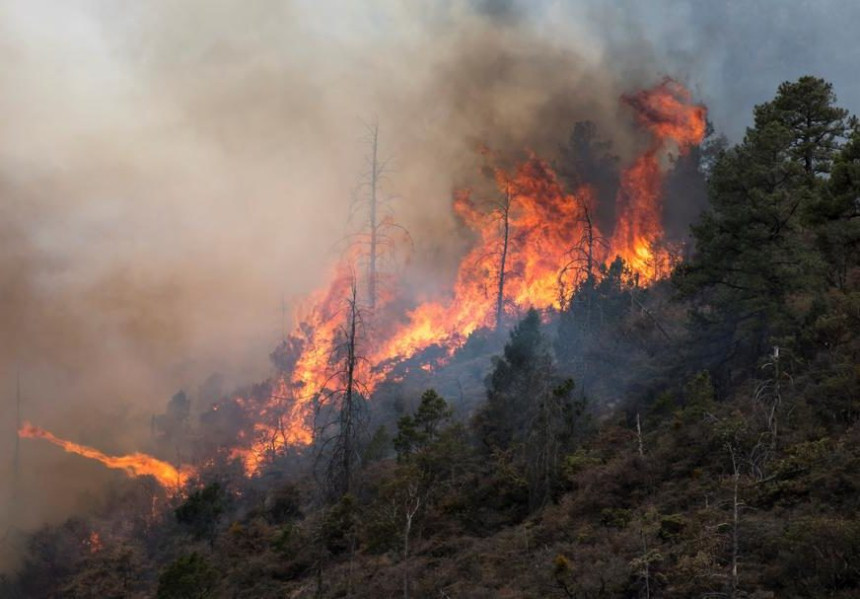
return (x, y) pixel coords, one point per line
(692, 437)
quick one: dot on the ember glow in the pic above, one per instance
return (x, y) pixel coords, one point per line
(135, 464)
(546, 248)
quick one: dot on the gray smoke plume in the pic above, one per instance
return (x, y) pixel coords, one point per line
(171, 170)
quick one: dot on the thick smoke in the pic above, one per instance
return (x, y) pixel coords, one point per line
(170, 171)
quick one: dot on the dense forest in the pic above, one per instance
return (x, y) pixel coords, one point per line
(693, 437)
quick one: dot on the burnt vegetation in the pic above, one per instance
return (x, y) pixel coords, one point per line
(693, 437)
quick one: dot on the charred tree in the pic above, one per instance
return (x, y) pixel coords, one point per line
(588, 160)
(578, 298)
(378, 235)
(589, 243)
(347, 441)
(504, 217)
(343, 408)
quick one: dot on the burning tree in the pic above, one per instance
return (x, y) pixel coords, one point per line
(675, 125)
(496, 217)
(504, 210)
(342, 408)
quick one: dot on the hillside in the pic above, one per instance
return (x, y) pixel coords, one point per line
(689, 435)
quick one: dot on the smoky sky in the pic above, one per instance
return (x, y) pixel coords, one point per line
(171, 171)
(735, 52)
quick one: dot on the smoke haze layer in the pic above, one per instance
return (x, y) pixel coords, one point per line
(170, 171)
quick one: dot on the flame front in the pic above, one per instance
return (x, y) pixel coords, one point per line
(135, 464)
(539, 238)
(548, 231)
(541, 253)
(543, 223)
(675, 124)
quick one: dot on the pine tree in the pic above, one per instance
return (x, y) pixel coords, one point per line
(806, 110)
(754, 247)
(838, 215)
(523, 372)
(529, 411)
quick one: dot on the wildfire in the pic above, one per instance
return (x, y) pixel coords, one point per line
(94, 542)
(546, 235)
(534, 242)
(135, 464)
(543, 226)
(675, 124)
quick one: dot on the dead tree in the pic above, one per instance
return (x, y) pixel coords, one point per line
(649, 556)
(577, 282)
(378, 234)
(577, 274)
(768, 395)
(746, 448)
(646, 565)
(343, 407)
(736, 477)
(373, 224)
(589, 243)
(411, 505)
(500, 212)
(346, 444)
(504, 211)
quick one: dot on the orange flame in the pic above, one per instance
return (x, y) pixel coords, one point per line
(676, 124)
(94, 542)
(135, 464)
(543, 260)
(544, 224)
(286, 418)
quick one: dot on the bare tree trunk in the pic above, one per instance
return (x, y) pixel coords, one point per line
(634, 301)
(343, 407)
(347, 412)
(374, 226)
(647, 566)
(283, 319)
(639, 436)
(589, 295)
(500, 298)
(406, 532)
(412, 506)
(589, 257)
(773, 418)
(735, 520)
